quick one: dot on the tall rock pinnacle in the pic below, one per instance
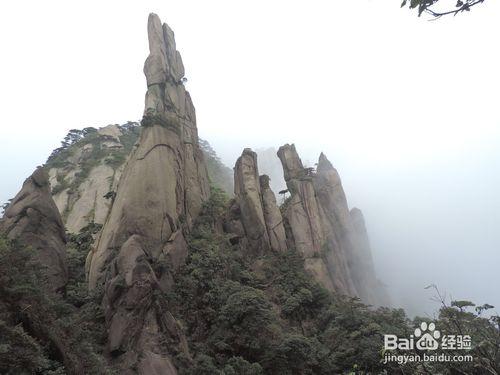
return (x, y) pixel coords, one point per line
(272, 216)
(160, 193)
(248, 196)
(332, 239)
(254, 214)
(33, 219)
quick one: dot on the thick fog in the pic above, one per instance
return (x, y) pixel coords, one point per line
(406, 109)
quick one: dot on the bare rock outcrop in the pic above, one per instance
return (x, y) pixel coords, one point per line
(160, 194)
(254, 215)
(32, 218)
(249, 198)
(321, 227)
(272, 216)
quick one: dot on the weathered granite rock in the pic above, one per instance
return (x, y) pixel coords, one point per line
(302, 211)
(160, 193)
(320, 226)
(254, 217)
(32, 218)
(272, 216)
(248, 196)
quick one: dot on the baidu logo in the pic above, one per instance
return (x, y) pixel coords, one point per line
(427, 337)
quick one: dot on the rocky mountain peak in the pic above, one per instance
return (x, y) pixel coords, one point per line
(324, 164)
(159, 195)
(292, 165)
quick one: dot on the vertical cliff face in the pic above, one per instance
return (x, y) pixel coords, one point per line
(272, 216)
(249, 198)
(320, 226)
(32, 218)
(254, 214)
(371, 289)
(310, 232)
(160, 193)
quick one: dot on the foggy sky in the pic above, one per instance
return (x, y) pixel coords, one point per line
(406, 109)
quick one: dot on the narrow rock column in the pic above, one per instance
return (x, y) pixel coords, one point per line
(272, 216)
(302, 210)
(248, 197)
(160, 194)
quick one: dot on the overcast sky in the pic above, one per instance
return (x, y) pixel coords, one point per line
(406, 109)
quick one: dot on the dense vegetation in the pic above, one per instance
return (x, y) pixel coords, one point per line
(44, 333)
(241, 316)
(268, 316)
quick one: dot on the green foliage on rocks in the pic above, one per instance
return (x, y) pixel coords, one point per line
(43, 332)
(88, 144)
(269, 316)
(172, 123)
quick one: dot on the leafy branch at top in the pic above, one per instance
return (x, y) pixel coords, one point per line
(427, 6)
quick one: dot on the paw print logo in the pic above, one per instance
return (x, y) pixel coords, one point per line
(427, 336)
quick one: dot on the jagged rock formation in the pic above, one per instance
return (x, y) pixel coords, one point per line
(84, 173)
(32, 218)
(321, 228)
(315, 220)
(254, 214)
(160, 193)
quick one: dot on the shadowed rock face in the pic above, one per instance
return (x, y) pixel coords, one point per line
(321, 227)
(160, 193)
(254, 214)
(33, 219)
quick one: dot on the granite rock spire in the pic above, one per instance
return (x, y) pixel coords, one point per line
(160, 194)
